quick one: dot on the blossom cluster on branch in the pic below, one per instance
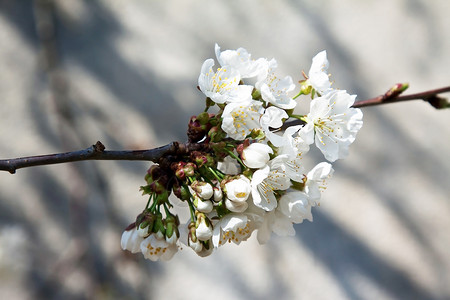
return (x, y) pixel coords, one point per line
(246, 172)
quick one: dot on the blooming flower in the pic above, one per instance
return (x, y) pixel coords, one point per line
(333, 123)
(274, 221)
(264, 184)
(317, 76)
(222, 86)
(234, 228)
(238, 190)
(275, 90)
(295, 205)
(239, 119)
(241, 60)
(315, 181)
(272, 117)
(157, 249)
(256, 155)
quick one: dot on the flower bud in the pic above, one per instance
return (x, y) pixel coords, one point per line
(396, 90)
(199, 158)
(203, 118)
(163, 197)
(256, 94)
(196, 130)
(180, 191)
(203, 206)
(172, 233)
(218, 195)
(203, 189)
(183, 169)
(158, 227)
(305, 87)
(131, 240)
(256, 155)
(157, 187)
(203, 227)
(216, 134)
(257, 134)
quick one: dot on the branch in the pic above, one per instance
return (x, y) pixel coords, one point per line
(393, 96)
(95, 152)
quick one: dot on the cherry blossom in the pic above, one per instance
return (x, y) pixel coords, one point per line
(333, 123)
(222, 86)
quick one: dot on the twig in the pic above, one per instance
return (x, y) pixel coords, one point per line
(95, 152)
(392, 96)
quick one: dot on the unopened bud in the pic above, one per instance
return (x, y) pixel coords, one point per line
(218, 195)
(438, 102)
(158, 227)
(203, 118)
(396, 90)
(257, 134)
(305, 88)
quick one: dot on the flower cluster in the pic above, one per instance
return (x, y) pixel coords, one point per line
(243, 168)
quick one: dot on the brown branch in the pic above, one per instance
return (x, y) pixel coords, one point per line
(95, 152)
(393, 96)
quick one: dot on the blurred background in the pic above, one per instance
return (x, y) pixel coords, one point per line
(125, 73)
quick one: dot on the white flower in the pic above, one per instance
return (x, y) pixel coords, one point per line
(239, 189)
(143, 232)
(275, 90)
(234, 206)
(333, 123)
(234, 228)
(292, 167)
(218, 195)
(295, 205)
(317, 76)
(315, 181)
(239, 119)
(172, 239)
(131, 240)
(222, 86)
(241, 60)
(201, 248)
(203, 189)
(203, 231)
(274, 221)
(256, 155)
(272, 117)
(157, 249)
(205, 206)
(264, 184)
(229, 166)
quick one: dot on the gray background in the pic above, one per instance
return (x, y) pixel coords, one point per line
(125, 73)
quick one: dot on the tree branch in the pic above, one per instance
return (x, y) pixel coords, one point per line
(97, 151)
(393, 96)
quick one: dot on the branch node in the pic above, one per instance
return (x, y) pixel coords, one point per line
(99, 147)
